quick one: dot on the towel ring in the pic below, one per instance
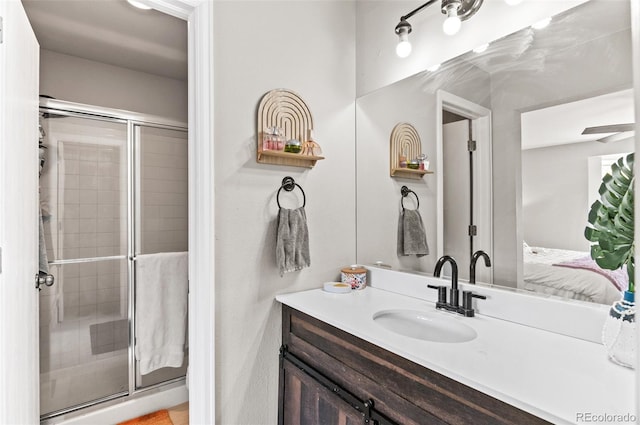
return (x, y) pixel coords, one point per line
(405, 191)
(289, 184)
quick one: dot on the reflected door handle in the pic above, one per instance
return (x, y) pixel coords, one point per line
(44, 279)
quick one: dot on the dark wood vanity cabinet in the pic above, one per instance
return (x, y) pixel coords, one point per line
(328, 376)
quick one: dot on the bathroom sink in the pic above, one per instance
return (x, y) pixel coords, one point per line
(436, 326)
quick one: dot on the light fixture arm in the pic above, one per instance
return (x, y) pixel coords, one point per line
(467, 9)
(416, 10)
(456, 11)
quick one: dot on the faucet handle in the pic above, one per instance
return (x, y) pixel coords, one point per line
(442, 295)
(467, 305)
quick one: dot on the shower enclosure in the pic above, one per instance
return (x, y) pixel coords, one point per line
(114, 186)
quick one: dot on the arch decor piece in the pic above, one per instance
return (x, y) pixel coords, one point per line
(405, 140)
(286, 110)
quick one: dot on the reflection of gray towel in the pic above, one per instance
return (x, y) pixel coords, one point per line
(43, 261)
(411, 235)
(292, 243)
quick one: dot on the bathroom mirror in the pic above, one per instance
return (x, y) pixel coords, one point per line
(542, 88)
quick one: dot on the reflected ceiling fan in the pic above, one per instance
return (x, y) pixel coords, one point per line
(620, 132)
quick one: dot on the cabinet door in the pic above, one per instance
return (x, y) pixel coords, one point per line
(306, 401)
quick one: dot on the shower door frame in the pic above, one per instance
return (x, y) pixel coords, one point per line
(134, 122)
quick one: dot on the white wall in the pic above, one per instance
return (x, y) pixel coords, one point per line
(556, 202)
(308, 47)
(378, 65)
(85, 81)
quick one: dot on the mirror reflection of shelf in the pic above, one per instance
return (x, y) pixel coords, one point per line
(405, 141)
(285, 110)
(408, 173)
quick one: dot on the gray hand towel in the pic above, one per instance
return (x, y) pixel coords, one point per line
(292, 243)
(412, 238)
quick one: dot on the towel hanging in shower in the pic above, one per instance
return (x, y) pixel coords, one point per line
(161, 310)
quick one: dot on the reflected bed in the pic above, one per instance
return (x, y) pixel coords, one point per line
(570, 274)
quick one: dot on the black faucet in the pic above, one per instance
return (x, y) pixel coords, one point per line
(474, 260)
(455, 294)
(466, 309)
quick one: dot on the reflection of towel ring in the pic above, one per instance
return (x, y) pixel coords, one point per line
(289, 184)
(406, 191)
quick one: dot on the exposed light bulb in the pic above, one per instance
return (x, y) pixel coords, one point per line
(541, 24)
(481, 48)
(451, 25)
(403, 49)
(513, 2)
(138, 4)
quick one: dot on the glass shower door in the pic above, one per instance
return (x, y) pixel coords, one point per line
(161, 208)
(84, 331)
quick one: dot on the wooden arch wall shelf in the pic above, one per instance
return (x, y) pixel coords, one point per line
(286, 110)
(405, 138)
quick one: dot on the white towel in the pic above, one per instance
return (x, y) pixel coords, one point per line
(161, 310)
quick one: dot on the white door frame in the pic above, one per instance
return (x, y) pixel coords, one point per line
(199, 15)
(481, 118)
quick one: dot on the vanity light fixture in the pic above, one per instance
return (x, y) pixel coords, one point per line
(456, 11)
(403, 49)
(138, 4)
(452, 24)
(541, 24)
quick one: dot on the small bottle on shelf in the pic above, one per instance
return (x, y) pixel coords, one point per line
(272, 140)
(421, 159)
(279, 140)
(403, 160)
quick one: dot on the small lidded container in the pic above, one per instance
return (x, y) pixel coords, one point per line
(293, 146)
(355, 275)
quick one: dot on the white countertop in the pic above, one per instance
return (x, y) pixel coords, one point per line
(549, 375)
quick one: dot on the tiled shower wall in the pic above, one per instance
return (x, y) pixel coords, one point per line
(164, 203)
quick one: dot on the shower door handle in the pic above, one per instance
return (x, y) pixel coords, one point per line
(44, 279)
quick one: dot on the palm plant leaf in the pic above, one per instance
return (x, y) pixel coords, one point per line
(611, 220)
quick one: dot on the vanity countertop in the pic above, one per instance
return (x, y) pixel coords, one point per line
(561, 379)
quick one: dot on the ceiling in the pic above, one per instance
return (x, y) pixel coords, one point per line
(112, 32)
(563, 124)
